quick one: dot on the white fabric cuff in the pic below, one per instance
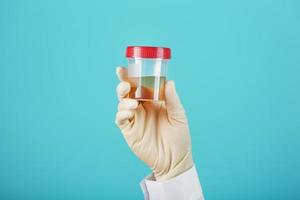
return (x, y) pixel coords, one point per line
(186, 186)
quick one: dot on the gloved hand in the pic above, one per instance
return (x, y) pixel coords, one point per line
(157, 132)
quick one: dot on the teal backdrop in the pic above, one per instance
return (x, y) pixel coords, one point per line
(237, 69)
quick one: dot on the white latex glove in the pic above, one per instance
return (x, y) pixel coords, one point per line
(157, 132)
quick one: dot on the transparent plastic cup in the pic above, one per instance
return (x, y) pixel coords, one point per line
(147, 71)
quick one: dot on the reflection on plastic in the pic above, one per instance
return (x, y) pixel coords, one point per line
(147, 88)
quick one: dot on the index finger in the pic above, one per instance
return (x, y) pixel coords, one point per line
(121, 73)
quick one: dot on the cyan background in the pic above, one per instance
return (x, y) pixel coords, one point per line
(236, 65)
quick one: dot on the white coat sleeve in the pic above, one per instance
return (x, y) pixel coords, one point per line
(186, 186)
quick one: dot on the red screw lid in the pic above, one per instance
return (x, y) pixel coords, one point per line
(148, 52)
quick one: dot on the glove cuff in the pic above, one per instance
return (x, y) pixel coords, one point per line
(184, 165)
